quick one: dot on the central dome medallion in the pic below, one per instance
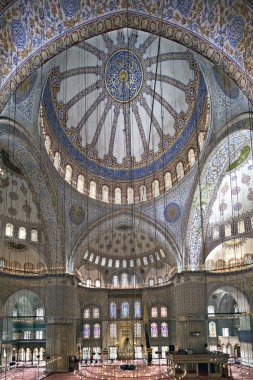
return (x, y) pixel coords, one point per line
(123, 76)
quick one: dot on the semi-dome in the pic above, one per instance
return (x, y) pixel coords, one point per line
(119, 113)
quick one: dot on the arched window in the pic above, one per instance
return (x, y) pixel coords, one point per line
(130, 195)
(160, 280)
(201, 140)
(113, 310)
(137, 330)
(93, 190)
(137, 309)
(143, 193)
(227, 230)
(97, 283)
(86, 313)
(86, 331)
(180, 170)
(212, 329)
(22, 233)
(133, 280)
(116, 263)
(124, 279)
(154, 312)
(9, 229)
(191, 157)
(216, 232)
(155, 188)
(105, 194)
(34, 235)
(210, 310)
(125, 310)
(39, 313)
(15, 312)
(47, 143)
(164, 329)
(80, 183)
(113, 330)
(115, 281)
(167, 181)
(96, 312)
(68, 173)
(164, 312)
(88, 282)
(96, 331)
(154, 330)
(241, 227)
(151, 282)
(117, 196)
(57, 160)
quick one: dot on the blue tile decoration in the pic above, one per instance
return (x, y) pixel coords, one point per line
(172, 212)
(70, 7)
(18, 33)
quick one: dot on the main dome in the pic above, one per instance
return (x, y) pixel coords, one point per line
(124, 107)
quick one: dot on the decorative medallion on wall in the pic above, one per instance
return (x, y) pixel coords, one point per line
(172, 212)
(76, 214)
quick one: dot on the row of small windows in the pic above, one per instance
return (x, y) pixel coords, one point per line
(146, 260)
(217, 232)
(22, 232)
(124, 310)
(39, 313)
(233, 263)
(130, 194)
(125, 280)
(156, 312)
(87, 331)
(91, 312)
(155, 328)
(137, 330)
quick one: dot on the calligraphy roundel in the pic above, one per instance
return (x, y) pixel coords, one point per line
(123, 76)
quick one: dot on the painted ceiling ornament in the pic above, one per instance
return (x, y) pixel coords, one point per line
(70, 7)
(76, 214)
(123, 75)
(18, 33)
(235, 31)
(172, 212)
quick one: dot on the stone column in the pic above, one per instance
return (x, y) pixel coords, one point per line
(190, 310)
(61, 309)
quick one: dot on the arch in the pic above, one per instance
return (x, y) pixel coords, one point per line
(117, 196)
(155, 188)
(34, 235)
(9, 230)
(210, 177)
(47, 143)
(130, 195)
(22, 233)
(180, 171)
(13, 139)
(173, 26)
(154, 230)
(191, 157)
(93, 190)
(28, 301)
(143, 193)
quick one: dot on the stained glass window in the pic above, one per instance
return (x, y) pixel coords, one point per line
(95, 312)
(137, 330)
(39, 313)
(88, 282)
(164, 329)
(97, 283)
(86, 313)
(113, 310)
(124, 279)
(86, 331)
(96, 331)
(151, 281)
(154, 312)
(115, 281)
(164, 312)
(154, 330)
(113, 330)
(137, 309)
(212, 329)
(125, 310)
